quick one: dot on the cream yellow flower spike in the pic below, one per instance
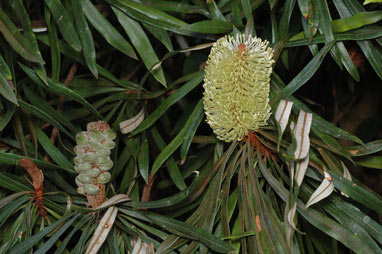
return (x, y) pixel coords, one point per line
(236, 83)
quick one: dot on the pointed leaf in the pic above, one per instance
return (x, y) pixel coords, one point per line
(102, 230)
(106, 29)
(282, 117)
(53, 239)
(17, 41)
(86, 38)
(119, 198)
(131, 124)
(6, 90)
(168, 102)
(24, 246)
(142, 44)
(323, 191)
(301, 167)
(179, 139)
(64, 23)
(301, 134)
(306, 73)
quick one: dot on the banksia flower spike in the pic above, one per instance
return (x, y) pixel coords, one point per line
(93, 161)
(236, 83)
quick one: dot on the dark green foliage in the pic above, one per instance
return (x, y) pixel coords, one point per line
(184, 190)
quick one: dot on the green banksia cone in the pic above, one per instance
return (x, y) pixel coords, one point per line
(93, 162)
(236, 83)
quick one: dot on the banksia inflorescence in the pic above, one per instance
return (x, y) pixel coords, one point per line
(93, 161)
(236, 83)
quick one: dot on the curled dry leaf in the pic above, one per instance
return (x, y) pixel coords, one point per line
(301, 133)
(114, 200)
(282, 114)
(346, 175)
(291, 214)
(132, 123)
(323, 191)
(141, 247)
(102, 230)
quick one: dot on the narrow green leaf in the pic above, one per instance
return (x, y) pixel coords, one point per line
(366, 149)
(304, 8)
(53, 239)
(77, 227)
(165, 202)
(326, 26)
(143, 158)
(7, 211)
(365, 33)
(54, 46)
(370, 161)
(29, 243)
(6, 90)
(168, 102)
(48, 109)
(332, 143)
(347, 61)
(142, 44)
(319, 220)
(64, 23)
(189, 134)
(111, 35)
(13, 160)
(7, 116)
(372, 53)
(152, 12)
(173, 169)
(17, 41)
(44, 116)
(161, 35)
(209, 27)
(356, 21)
(305, 74)
(359, 217)
(189, 231)
(9, 183)
(285, 18)
(180, 137)
(61, 89)
(52, 150)
(215, 13)
(23, 16)
(349, 222)
(371, 1)
(4, 69)
(86, 38)
(249, 27)
(180, 7)
(6, 200)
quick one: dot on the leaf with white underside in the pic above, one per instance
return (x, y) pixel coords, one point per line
(291, 214)
(301, 167)
(346, 175)
(102, 230)
(141, 247)
(302, 130)
(282, 117)
(323, 191)
(132, 123)
(114, 200)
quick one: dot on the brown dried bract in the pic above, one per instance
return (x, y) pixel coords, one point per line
(38, 183)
